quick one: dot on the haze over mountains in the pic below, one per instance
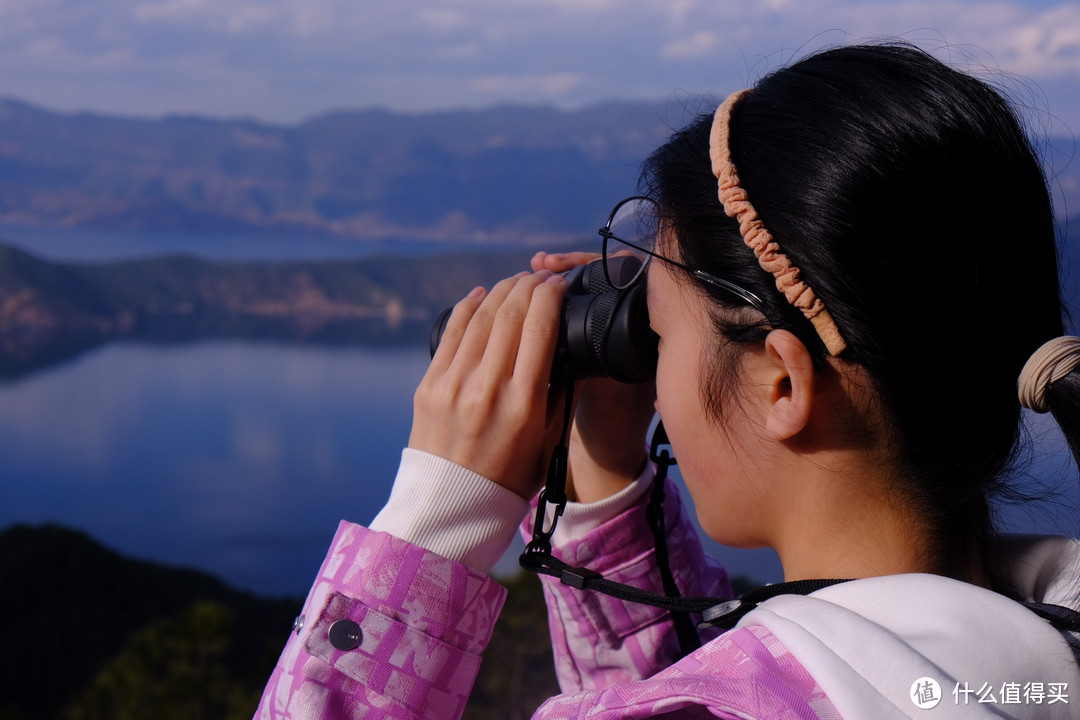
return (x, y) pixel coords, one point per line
(513, 176)
(508, 174)
(504, 174)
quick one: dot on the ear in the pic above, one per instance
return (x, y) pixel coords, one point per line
(790, 384)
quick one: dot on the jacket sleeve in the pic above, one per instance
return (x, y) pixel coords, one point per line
(600, 641)
(417, 623)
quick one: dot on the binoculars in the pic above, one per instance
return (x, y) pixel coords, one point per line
(604, 331)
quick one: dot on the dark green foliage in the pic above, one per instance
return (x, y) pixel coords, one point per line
(97, 636)
(86, 625)
(176, 668)
(92, 635)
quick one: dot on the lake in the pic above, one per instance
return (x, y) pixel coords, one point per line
(240, 457)
(235, 458)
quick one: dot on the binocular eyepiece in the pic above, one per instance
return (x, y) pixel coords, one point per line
(604, 330)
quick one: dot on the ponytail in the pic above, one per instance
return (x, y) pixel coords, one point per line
(1050, 382)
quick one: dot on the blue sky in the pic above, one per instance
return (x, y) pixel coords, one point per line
(284, 60)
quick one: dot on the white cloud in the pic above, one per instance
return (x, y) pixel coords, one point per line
(284, 60)
(521, 86)
(46, 47)
(442, 19)
(170, 9)
(698, 45)
(572, 8)
(1046, 45)
(252, 18)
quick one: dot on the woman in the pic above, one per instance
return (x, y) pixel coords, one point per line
(854, 265)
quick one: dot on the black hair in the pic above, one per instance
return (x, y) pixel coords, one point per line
(910, 198)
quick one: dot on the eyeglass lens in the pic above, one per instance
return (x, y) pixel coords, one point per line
(633, 229)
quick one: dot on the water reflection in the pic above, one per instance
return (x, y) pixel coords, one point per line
(23, 353)
(234, 457)
(240, 458)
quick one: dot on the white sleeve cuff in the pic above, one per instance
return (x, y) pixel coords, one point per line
(451, 510)
(578, 519)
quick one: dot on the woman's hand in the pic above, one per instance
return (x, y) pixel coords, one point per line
(608, 440)
(483, 402)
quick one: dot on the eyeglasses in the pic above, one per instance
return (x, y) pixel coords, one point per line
(632, 229)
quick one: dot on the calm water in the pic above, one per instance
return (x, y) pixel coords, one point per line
(240, 458)
(236, 458)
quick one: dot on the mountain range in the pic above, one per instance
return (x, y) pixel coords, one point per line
(500, 180)
(504, 174)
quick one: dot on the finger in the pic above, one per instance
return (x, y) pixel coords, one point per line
(455, 330)
(472, 347)
(502, 349)
(539, 332)
(561, 262)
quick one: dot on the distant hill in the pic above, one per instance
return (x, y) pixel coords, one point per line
(121, 297)
(386, 296)
(93, 635)
(51, 311)
(507, 173)
(74, 606)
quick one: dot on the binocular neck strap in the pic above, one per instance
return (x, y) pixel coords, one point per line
(538, 558)
(554, 492)
(715, 612)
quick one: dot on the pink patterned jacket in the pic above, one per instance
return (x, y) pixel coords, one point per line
(391, 630)
(423, 622)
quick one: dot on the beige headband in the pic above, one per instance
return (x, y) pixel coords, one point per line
(737, 205)
(1051, 362)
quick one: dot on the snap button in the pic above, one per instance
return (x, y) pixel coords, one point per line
(298, 624)
(345, 635)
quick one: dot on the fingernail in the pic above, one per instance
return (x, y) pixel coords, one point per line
(557, 256)
(476, 292)
(523, 273)
(544, 273)
(555, 279)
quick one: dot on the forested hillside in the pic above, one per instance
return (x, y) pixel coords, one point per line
(93, 635)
